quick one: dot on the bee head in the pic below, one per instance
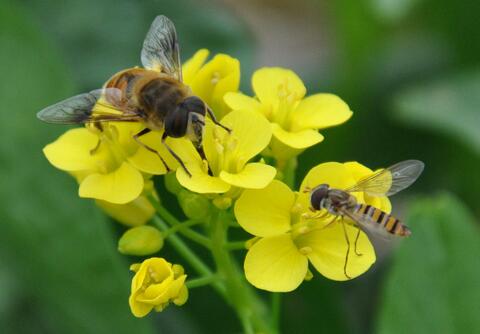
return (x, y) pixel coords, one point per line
(317, 196)
(187, 120)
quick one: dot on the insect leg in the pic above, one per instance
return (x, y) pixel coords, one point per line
(356, 240)
(164, 136)
(97, 146)
(214, 119)
(137, 139)
(348, 250)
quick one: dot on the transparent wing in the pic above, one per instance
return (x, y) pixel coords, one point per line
(391, 180)
(160, 49)
(97, 106)
(367, 225)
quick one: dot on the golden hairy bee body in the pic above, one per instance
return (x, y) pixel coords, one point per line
(152, 93)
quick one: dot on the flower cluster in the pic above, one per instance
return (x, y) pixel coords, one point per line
(237, 178)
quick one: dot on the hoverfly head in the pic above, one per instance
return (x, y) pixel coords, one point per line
(318, 195)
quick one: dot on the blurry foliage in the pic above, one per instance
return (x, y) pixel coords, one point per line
(60, 271)
(433, 283)
(451, 106)
(100, 38)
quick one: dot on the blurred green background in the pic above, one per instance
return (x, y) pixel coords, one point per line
(409, 70)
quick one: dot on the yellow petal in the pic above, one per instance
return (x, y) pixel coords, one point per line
(274, 264)
(328, 248)
(121, 186)
(71, 151)
(139, 309)
(134, 213)
(240, 101)
(299, 139)
(359, 172)
(270, 83)
(227, 84)
(335, 174)
(253, 176)
(201, 182)
(216, 70)
(320, 111)
(265, 212)
(251, 132)
(149, 162)
(191, 66)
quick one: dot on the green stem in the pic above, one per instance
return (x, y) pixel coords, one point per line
(188, 254)
(184, 229)
(288, 168)
(235, 245)
(249, 309)
(276, 309)
(201, 281)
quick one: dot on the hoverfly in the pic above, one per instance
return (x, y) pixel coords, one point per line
(341, 203)
(154, 95)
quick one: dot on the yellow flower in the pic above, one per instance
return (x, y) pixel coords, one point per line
(212, 80)
(109, 164)
(289, 239)
(156, 283)
(228, 156)
(295, 120)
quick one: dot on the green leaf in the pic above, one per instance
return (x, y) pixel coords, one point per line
(57, 251)
(450, 106)
(433, 284)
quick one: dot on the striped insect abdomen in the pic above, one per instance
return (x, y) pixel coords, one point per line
(382, 219)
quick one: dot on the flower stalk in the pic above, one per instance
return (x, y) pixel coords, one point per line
(247, 305)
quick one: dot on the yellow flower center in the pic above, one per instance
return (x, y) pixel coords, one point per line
(228, 159)
(216, 76)
(282, 110)
(110, 152)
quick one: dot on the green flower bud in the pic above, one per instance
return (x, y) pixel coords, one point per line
(140, 241)
(171, 183)
(222, 203)
(195, 206)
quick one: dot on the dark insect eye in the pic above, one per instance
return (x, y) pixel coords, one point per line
(193, 104)
(318, 194)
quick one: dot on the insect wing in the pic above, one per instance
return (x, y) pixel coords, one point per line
(160, 49)
(391, 180)
(97, 106)
(367, 225)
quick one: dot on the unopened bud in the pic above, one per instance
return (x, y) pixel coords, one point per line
(140, 241)
(171, 183)
(222, 203)
(195, 206)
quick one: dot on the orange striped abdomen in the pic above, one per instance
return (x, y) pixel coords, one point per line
(382, 219)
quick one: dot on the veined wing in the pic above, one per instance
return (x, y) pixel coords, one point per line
(391, 180)
(367, 225)
(160, 49)
(101, 105)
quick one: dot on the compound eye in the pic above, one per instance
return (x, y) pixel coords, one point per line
(318, 194)
(194, 104)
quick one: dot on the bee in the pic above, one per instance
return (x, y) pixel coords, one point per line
(154, 95)
(341, 203)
